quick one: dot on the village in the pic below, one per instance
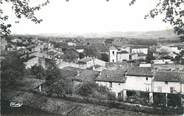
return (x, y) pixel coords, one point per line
(149, 75)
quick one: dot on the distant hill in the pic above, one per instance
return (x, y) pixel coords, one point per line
(168, 34)
(164, 34)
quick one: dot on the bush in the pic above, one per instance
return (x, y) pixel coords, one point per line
(86, 89)
(93, 90)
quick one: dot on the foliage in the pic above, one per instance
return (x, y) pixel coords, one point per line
(12, 69)
(38, 71)
(150, 57)
(70, 55)
(105, 57)
(91, 52)
(179, 58)
(173, 11)
(86, 89)
(109, 41)
(57, 88)
(52, 74)
(21, 8)
(94, 90)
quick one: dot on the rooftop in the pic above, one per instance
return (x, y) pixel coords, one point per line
(122, 52)
(169, 76)
(112, 76)
(85, 60)
(112, 48)
(140, 71)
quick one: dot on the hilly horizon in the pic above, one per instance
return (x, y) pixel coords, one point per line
(168, 34)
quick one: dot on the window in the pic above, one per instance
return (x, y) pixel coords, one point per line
(119, 94)
(112, 60)
(110, 84)
(113, 52)
(166, 82)
(171, 89)
(119, 83)
(146, 78)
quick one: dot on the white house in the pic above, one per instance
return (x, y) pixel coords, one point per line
(89, 62)
(71, 44)
(175, 49)
(163, 61)
(139, 79)
(112, 79)
(145, 65)
(35, 61)
(139, 49)
(167, 82)
(139, 82)
(123, 56)
(138, 56)
(118, 55)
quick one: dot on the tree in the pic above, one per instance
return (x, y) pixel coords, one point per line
(52, 74)
(21, 8)
(105, 57)
(12, 69)
(179, 58)
(86, 89)
(150, 57)
(38, 71)
(91, 51)
(70, 55)
(173, 11)
(57, 88)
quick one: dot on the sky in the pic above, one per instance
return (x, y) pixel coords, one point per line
(90, 16)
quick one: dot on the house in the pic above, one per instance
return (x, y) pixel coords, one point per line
(167, 88)
(139, 79)
(139, 49)
(167, 82)
(79, 49)
(39, 61)
(118, 55)
(89, 62)
(175, 49)
(16, 40)
(71, 44)
(139, 82)
(112, 79)
(138, 56)
(123, 56)
(145, 65)
(162, 61)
